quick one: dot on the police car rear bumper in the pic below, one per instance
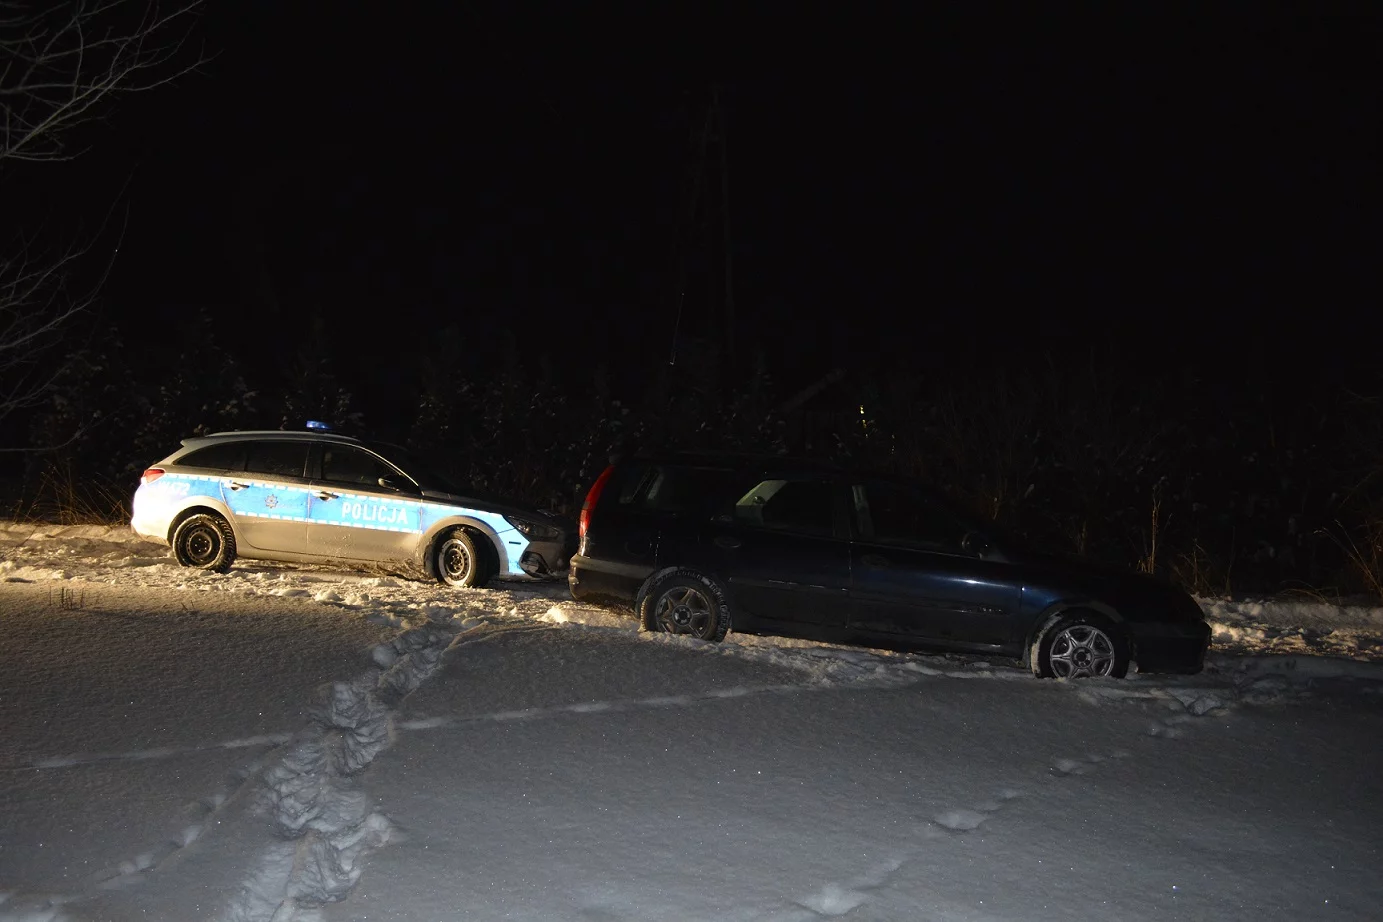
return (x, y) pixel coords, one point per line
(150, 530)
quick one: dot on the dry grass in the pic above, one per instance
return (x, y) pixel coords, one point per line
(62, 499)
(1364, 556)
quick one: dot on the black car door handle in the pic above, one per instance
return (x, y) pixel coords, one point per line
(323, 494)
(728, 542)
(237, 485)
(874, 560)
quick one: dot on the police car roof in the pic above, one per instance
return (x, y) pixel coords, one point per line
(316, 435)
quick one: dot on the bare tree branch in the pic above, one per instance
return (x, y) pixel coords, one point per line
(64, 66)
(60, 66)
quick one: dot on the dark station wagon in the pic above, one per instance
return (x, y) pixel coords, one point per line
(703, 544)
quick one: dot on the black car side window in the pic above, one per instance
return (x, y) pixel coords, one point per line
(277, 459)
(803, 507)
(344, 464)
(898, 515)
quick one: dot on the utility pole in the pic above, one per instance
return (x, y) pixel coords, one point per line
(699, 215)
(725, 222)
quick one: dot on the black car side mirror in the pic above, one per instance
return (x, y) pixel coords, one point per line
(975, 543)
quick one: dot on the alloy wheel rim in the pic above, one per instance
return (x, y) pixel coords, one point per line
(684, 610)
(1081, 651)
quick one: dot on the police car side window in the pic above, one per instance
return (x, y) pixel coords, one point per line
(228, 456)
(344, 464)
(277, 459)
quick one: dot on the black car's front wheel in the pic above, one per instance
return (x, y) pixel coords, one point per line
(1081, 645)
(685, 602)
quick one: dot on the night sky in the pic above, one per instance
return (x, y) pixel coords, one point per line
(958, 191)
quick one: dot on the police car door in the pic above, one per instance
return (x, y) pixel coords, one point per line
(356, 517)
(269, 500)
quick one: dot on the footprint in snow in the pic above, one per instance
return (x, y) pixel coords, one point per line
(1204, 705)
(961, 820)
(1002, 796)
(834, 900)
(964, 820)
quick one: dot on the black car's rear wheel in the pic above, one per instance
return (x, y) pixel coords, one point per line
(685, 602)
(1081, 645)
(204, 541)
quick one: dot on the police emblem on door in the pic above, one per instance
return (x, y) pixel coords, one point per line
(271, 501)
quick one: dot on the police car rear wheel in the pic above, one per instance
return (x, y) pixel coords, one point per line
(204, 542)
(457, 562)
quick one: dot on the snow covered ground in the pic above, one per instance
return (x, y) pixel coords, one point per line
(295, 743)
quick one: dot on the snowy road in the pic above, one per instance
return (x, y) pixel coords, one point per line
(592, 777)
(129, 718)
(340, 746)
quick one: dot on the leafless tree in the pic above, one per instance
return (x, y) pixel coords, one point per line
(62, 67)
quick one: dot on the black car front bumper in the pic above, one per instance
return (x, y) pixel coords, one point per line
(1163, 647)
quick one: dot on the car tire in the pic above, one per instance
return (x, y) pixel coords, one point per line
(456, 560)
(205, 542)
(489, 563)
(1081, 644)
(685, 602)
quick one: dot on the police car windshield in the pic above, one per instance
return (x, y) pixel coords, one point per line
(424, 474)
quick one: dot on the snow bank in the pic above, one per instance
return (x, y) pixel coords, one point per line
(1296, 626)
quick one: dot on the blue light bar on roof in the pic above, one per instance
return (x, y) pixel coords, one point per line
(315, 424)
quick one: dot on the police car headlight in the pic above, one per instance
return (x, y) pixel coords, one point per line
(534, 531)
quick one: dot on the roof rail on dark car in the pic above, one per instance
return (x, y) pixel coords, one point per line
(733, 458)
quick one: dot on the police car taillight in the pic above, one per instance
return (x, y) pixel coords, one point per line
(591, 498)
(152, 474)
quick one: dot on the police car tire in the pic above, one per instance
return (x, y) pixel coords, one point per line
(489, 567)
(458, 539)
(219, 552)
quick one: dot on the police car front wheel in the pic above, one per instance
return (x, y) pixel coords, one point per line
(204, 541)
(457, 561)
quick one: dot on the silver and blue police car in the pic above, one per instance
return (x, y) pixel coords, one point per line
(318, 497)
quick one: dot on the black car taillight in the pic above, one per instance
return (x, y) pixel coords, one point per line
(592, 498)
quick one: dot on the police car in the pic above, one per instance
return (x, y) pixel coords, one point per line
(317, 496)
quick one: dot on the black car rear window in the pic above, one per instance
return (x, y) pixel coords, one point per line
(700, 490)
(227, 456)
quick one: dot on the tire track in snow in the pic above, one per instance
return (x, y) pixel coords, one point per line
(602, 707)
(305, 786)
(322, 819)
(49, 907)
(53, 763)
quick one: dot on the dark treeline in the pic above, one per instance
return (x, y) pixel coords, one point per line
(1227, 486)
